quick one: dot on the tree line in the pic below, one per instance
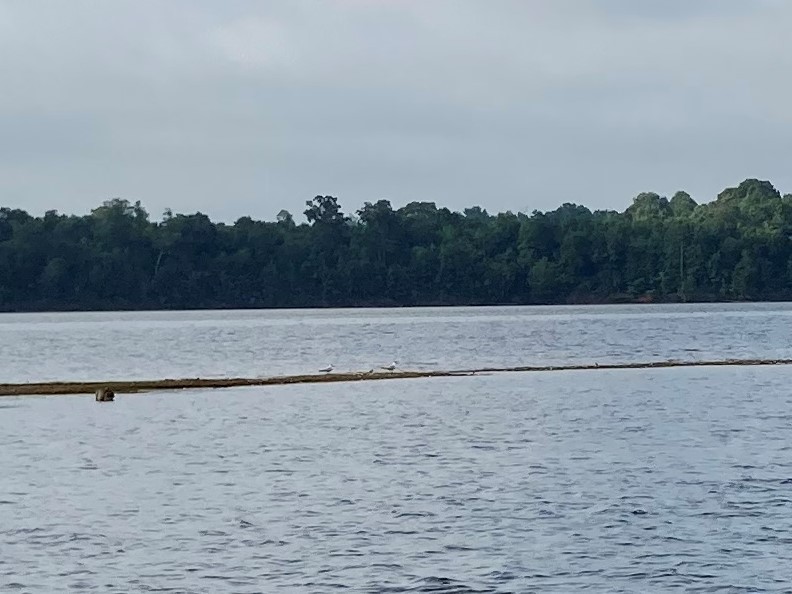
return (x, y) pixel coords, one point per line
(737, 247)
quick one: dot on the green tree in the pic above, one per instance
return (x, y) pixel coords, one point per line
(739, 246)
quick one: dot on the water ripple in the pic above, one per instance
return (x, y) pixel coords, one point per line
(614, 481)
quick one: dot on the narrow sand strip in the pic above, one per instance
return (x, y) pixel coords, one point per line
(50, 388)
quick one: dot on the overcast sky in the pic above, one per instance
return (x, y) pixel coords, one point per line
(243, 108)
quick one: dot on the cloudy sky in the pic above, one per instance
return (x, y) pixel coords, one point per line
(239, 108)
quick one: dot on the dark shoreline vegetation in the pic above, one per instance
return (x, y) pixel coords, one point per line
(735, 248)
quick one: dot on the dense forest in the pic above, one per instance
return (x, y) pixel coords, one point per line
(737, 247)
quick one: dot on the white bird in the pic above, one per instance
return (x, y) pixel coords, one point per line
(327, 369)
(390, 367)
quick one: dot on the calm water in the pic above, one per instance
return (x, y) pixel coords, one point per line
(601, 481)
(156, 345)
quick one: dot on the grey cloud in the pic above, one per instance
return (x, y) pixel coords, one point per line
(242, 108)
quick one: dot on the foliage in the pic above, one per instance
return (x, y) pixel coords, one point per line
(737, 247)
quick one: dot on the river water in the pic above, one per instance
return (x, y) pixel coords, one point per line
(156, 345)
(601, 481)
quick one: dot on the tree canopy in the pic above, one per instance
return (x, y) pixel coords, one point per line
(737, 247)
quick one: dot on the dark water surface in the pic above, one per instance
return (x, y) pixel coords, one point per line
(597, 481)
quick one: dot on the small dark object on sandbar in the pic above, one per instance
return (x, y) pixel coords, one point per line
(104, 395)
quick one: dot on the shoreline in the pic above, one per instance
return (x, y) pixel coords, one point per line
(135, 386)
(613, 301)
